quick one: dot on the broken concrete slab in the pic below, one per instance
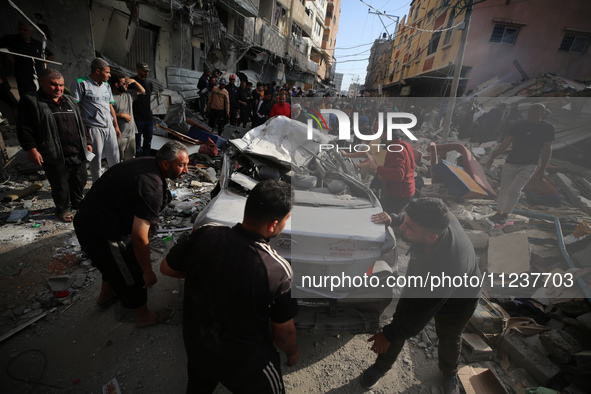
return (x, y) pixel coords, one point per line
(479, 239)
(560, 345)
(573, 194)
(537, 364)
(555, 324)
(79, 282)
(509, 253)
(544, 256)
(585, 319)
(475, 349)
(60, 282)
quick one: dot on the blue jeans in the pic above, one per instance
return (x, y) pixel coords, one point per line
(145, 129)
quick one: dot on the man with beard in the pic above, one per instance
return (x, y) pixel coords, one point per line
(113, 225)
(124, 111)
(439, 246)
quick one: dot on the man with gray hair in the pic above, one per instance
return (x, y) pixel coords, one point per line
(95, 98)
(51, 131)
(113, 225)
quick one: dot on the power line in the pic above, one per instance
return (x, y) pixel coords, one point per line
(357, 46)
(356, 60)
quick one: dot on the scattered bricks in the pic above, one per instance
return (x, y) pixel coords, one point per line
(475, 349)
(530, 359)
(479, 239)
(509, 253)
(560, 345)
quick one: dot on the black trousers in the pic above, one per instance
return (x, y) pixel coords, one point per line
(67, 183)
(116, 261)
(205, 375)
(449, 326)
(217, 116)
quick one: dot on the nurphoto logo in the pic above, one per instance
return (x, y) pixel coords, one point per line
(345, 131)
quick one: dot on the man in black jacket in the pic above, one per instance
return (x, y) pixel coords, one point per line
(51, 130)
(439, 249)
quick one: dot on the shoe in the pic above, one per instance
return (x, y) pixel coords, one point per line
(498, 218)
(371, 377)
(451, 384)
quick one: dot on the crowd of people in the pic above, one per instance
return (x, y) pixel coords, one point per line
(238, 303)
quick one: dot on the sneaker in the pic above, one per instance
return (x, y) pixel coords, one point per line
(451, 384)
(498, 218)
(370, 377)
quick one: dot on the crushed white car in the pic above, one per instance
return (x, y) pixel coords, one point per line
(330, 233)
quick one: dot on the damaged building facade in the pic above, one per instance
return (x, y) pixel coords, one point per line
(266, 40)
(507, 41)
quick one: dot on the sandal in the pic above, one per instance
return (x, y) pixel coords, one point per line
(66, 216)
(162, 315)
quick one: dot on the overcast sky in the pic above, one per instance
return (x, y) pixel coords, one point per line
(358, 28)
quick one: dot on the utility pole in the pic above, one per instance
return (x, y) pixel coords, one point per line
(389, 16)
(457, 71)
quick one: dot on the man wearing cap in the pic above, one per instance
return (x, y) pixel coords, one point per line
(233, 95)
(95, 98)
(142, 111)
(219, 106)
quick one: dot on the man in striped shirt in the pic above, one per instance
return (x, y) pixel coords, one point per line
(238, 300)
